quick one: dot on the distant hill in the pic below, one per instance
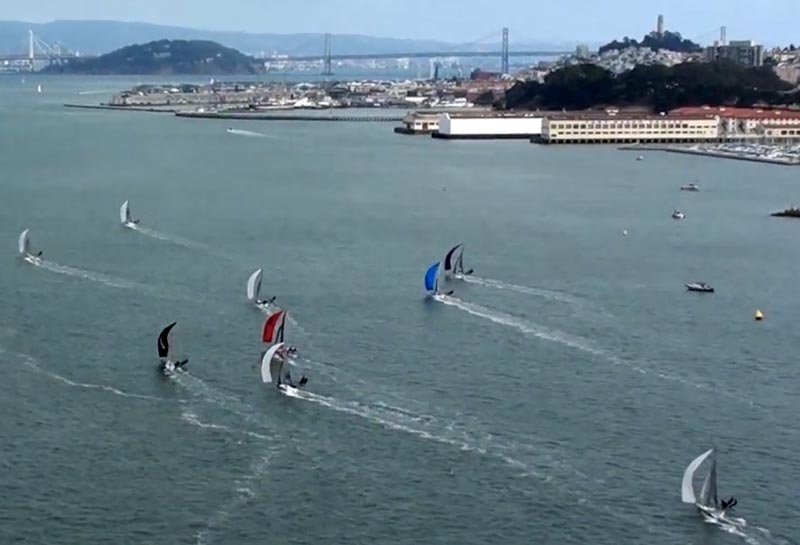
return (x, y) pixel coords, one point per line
(98, 37)
(671, 41)
(659, 88)
(165, 57)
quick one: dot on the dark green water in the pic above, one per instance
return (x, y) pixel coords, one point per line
(557, 399)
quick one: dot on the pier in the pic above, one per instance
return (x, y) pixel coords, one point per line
(292, 117)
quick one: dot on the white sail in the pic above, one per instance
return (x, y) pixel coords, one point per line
(24, 243)
(124, 213)
(708, 493)
(268, 370)
(687, 486)
(254, 285)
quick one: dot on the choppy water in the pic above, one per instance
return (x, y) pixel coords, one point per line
(555, 399)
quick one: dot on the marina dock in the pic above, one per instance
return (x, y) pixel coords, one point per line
(716, 153)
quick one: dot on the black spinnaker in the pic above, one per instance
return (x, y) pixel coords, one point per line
(163, 341)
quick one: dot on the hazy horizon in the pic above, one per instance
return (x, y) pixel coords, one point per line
(417, 19)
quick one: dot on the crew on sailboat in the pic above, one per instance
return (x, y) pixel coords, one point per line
(729, 504)
(167, 365)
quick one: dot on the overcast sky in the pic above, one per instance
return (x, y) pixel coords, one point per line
(768, 21)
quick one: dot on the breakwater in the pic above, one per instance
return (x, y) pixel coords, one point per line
(121, 108)
(291, 117)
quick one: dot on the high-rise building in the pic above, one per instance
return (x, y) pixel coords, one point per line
(742, 51)
(582, 51)
(660, 27)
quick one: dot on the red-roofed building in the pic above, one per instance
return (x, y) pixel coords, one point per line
(744, 122)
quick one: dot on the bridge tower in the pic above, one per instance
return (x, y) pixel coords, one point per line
(504, 57)
(723, 36)
(327, 69)
(31, 51)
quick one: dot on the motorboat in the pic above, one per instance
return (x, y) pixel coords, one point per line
(640, 158)
(699, 286)
(678, 215)
(690, 187)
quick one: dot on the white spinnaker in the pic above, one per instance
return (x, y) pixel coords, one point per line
(24, 243)
(254, 285)
(687, 486)
(266, 374)
(124, 213)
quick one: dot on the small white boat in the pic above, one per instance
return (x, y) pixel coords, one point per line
(699, 286)
(640, 158)
(690, 187)
(678, 215)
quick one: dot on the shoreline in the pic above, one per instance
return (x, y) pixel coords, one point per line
(712, 153)
(290, 117)
(149, 109)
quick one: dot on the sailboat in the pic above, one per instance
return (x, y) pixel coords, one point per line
(271, 365)
(432, 281)
(254, 291)
(708, 502)
(25, 251)
(454, 263)
(274, 327)
(125, 216)
(162, 344)
(275, 362)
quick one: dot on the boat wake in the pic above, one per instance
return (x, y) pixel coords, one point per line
(242, 494)
(82, 273)
(207, 393)
(31, 363)
(250, 134)
(738, 527)
(550, 295)
(158, 235)
(194, 420)
(528, 460)
(583, 345)
(521, 325)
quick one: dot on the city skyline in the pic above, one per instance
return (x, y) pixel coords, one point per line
(420, 19)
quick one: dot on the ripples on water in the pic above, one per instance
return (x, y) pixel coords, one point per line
(563, 412)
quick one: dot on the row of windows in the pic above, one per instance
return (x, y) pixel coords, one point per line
(627, 125)
(633, 133)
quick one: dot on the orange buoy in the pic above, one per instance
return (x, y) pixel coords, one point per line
(759, 315)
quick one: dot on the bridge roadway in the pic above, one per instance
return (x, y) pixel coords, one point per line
(341, 57)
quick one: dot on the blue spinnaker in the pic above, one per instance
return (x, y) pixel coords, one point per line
(430, 277)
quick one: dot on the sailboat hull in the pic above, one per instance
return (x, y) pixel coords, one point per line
(287, 390)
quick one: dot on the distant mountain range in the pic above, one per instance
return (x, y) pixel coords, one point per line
(98, 37)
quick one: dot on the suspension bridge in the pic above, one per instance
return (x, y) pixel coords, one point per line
(40, 53)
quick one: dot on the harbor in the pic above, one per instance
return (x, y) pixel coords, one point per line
(758, 153)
